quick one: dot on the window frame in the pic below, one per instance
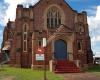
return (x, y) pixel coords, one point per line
(25, 36)
(53, 17)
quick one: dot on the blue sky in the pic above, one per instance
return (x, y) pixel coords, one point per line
(8, 10)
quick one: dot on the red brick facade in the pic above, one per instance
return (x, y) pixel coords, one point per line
(73, 30)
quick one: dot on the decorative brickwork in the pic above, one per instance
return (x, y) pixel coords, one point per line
(72, 29)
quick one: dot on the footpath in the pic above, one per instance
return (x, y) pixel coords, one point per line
(80, 76)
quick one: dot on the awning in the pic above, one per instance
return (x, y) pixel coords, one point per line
(7, 47)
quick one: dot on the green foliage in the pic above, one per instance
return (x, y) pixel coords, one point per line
(27, 74)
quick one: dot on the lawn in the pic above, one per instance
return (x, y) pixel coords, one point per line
(27, 74)
(95, 68)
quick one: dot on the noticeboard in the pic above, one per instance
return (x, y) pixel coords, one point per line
(39, 57)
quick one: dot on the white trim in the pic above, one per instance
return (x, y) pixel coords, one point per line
(32, 50)
(25, 40)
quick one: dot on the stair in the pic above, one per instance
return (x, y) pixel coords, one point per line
(65, 66)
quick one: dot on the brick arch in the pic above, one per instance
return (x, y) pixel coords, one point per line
(60, 10)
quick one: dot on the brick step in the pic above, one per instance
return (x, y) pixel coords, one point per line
(65, 66)
(64, 61)
(67, 71)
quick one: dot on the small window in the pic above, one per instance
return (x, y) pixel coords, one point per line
(39, 43)
(25, 46)
(79, 45)
(25, 36)
(48, 22)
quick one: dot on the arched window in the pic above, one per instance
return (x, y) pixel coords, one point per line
(25, 38)
(53, 18)
(79, 45)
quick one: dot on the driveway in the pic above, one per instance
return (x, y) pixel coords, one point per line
(81, 76)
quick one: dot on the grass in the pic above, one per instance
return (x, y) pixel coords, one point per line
(27, 74)
(95, 68)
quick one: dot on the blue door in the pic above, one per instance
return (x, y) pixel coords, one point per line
(60, 50)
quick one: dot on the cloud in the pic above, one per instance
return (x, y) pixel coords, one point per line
(3, 9)
(11, 11)
(94, 27)
(98, 13)
(96, 38)
(91, 10)
(94, 21)
(8, 11)
(97, 54)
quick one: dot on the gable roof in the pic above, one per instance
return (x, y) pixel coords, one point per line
(50, 0)
(64, 29)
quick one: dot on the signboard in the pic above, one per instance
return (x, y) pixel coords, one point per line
(39, 57)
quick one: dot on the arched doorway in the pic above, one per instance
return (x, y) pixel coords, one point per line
(60, 50)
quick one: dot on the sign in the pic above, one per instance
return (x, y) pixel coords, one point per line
(39, 57)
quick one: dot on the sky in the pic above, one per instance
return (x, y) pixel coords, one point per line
(8, 11)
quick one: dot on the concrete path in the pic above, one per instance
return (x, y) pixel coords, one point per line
(80, 76)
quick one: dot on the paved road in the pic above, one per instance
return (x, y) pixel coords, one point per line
(81, 76)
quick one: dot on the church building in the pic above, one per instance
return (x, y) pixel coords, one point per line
(66, 31)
